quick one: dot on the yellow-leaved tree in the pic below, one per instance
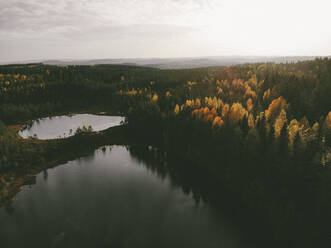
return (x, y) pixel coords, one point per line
(197, 103)
(225, 111)
(249, 104)
(328, 120)
(275, 108)
(155, 97)
(176, 110)
(328, 129)
(217, 122)
(293, 128)
(280, 121)
(251, 121)
(237, 112)
(266, 95)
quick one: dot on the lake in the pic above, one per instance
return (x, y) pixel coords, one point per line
(113, 198)
(65, 126)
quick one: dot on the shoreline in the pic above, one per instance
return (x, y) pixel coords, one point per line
(13, 180)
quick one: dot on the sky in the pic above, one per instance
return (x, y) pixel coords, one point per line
(99, 29)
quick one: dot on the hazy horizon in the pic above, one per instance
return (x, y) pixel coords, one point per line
(160, 58)
(145, 29)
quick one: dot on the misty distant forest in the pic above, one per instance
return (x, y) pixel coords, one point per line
(258, 134)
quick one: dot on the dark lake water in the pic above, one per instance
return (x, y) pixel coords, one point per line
(112, 198)
(64, 126)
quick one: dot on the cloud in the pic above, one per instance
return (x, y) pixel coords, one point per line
(35, 15)
(200, 27)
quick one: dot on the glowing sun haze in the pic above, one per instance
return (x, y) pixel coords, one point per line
(91, 29)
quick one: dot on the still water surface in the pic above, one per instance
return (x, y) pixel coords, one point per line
(64, 126)
(111, 199)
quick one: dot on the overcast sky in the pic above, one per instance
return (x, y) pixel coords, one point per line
(92, 29)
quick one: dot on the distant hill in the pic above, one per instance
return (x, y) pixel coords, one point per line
(180, 63)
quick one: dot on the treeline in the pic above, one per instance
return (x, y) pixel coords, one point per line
(31, 91)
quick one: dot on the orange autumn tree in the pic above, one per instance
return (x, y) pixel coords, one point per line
(189, 103)
(217, 122)
(225, 111)
(155, 98)
(249, 104)
(275, 108)
(205, 113)
(249, 92)
(176, 110)
(328, 120)
(327, 124)
(197, 103)
(280, 122)
(251, 121)
(237, 112)
(214, 102)
(293, 128)
(266, 95)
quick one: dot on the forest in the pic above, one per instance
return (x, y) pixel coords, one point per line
(262, 132)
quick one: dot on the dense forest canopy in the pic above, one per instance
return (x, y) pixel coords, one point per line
(263, 131)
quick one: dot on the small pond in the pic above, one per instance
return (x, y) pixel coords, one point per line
(112, 198)
(65, 126)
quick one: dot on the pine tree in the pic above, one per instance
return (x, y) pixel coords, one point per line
(283, 141)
